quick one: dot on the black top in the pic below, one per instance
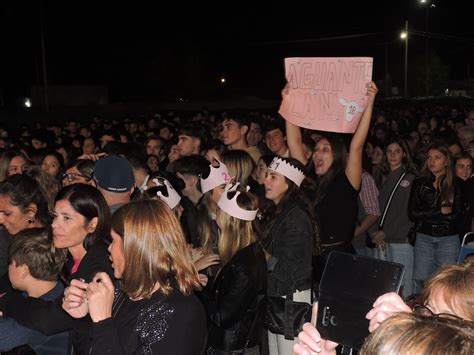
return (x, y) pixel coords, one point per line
(337, 211)
(235, 298)
(173, 324)
(5, 241)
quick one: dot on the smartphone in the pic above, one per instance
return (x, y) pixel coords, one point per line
(349, 286)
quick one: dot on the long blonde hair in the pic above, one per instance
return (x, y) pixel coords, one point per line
(207, 236)
(236, 233)
(155, 249)
(240, 165)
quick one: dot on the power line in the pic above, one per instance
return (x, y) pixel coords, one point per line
(321, 39)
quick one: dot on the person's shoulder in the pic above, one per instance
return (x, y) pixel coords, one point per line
(296, 215)
(188, 306)
(54, 293)
(98, 248)
(249, 252)
(419, 180)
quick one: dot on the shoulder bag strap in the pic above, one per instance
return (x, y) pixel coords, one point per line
(389, 201)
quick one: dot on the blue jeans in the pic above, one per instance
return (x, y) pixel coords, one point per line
(402, 253)
(430, 253)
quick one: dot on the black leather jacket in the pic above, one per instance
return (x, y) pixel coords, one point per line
(291, 253)
(234, 298)
(424, 207)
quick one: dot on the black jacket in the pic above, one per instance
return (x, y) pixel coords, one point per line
(291, 249)
(235, 298)
(424, 207)
(48, 317)
(173, 324)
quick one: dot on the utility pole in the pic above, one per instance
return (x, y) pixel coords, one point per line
(43, 57)
(427, 52)
(406, 58)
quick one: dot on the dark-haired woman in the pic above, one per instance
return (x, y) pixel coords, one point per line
(397, 170)
(436, 206)
(81, 225)
(22, 206)
(79, 172)
(52, 163)
(156, 311)
(339, 177)
(291, 239)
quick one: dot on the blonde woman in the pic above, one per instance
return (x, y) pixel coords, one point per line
(234, 302)
(212, 186)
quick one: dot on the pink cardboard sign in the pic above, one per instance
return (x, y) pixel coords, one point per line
(327, 94)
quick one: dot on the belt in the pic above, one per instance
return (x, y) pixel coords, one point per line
(437, 230)
(325, 245)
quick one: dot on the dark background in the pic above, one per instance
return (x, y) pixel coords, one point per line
(169, 50)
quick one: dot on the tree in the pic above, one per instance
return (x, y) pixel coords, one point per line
(438, 75)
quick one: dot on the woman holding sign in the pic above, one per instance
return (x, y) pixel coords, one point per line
(339, 179)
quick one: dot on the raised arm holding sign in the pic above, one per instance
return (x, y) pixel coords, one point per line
(339, 174)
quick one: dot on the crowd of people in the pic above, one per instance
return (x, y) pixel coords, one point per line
(182, 235)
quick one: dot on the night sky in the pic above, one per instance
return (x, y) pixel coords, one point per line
(146, 52)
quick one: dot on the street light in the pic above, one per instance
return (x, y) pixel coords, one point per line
(404, 36)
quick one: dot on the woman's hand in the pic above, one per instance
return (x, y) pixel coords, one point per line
(379, 239)
(196, 253)
(100, 297)
(207, 260)
(372, 90)
(310, 341)
(75, 299)
(203, 279)
(384, 307)
(93, 157)
(446, 210)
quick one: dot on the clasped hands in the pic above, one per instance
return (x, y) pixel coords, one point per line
(94, 298)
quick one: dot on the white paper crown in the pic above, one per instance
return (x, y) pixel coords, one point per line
(217, 176)
(232, 208)
(287, 170)
(173, 197)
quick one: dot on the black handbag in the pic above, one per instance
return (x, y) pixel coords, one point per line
(285, 316)
(411, 235)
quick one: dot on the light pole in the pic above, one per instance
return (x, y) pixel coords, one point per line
(404, 36)
(428, 4)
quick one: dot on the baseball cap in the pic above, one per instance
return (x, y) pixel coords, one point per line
(114, 173)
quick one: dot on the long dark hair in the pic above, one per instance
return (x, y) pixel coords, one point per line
(293, 196)
(339, 161)
(446, 181)
(89, 202)
(407, 160)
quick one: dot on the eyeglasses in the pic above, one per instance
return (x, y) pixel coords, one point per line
(72, 176)
(425, 311)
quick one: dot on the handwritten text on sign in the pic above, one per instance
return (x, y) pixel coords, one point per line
(327, 94)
